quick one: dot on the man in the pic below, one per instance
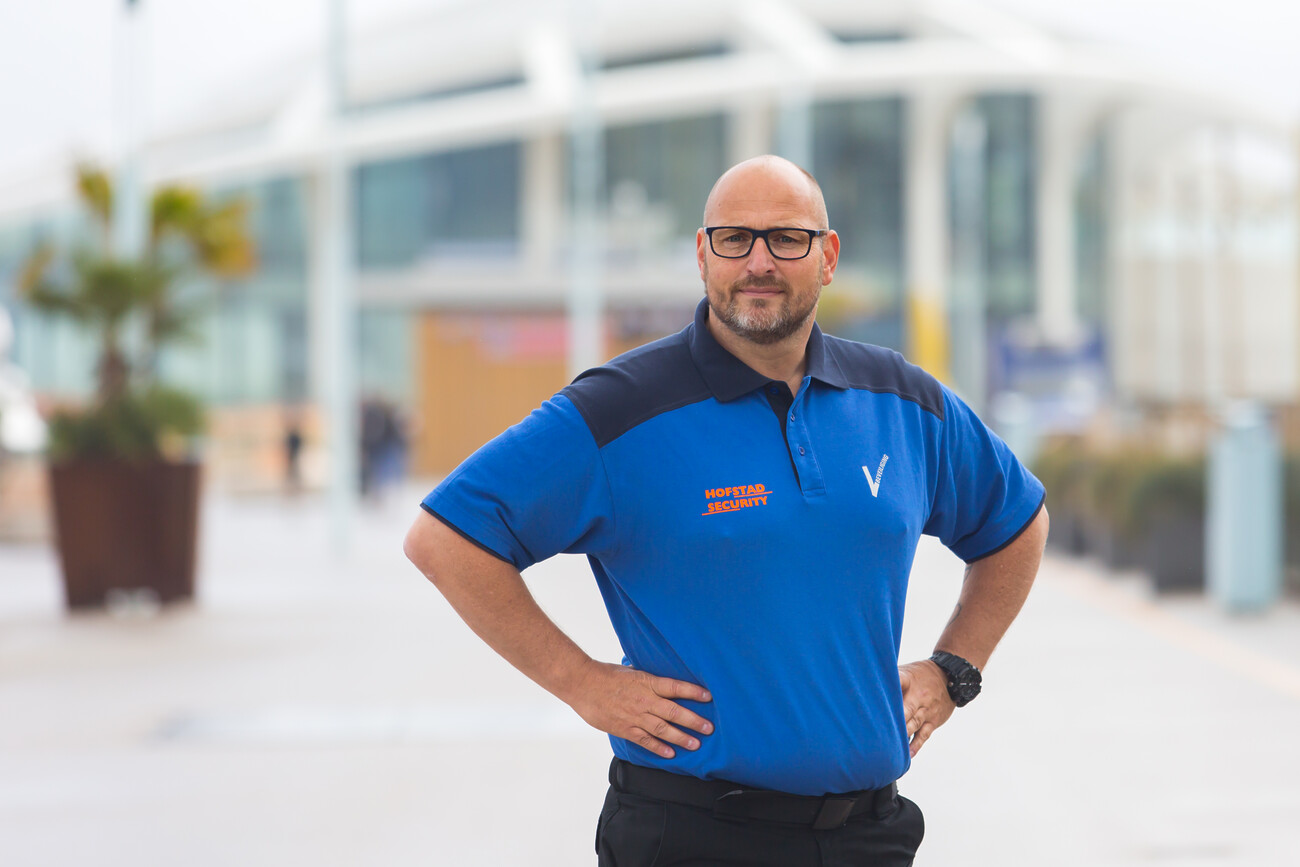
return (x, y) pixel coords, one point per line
(750, 494)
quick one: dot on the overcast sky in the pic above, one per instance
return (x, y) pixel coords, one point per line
(56, 56)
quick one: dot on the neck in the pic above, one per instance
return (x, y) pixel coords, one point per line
(785, 360)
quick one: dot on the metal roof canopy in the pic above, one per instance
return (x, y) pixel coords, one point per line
(277, 126)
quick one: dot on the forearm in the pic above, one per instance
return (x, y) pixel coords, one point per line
(992, 594)
(491, 597)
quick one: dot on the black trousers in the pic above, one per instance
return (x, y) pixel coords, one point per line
(640, 831)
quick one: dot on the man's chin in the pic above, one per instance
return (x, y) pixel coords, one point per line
(771, 328)
(758, 320)
(758, 309)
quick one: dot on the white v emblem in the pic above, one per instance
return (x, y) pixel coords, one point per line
(874, 483)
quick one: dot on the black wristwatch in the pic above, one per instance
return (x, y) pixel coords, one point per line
(963, 678)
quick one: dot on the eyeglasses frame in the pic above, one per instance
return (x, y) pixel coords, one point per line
(763, 233)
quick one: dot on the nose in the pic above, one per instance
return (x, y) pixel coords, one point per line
(760, 260)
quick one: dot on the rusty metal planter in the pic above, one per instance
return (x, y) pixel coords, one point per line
(125, 525)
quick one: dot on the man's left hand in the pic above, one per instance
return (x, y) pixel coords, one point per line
(926, 703)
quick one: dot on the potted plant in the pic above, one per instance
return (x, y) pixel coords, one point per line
(1163, 511)
(1115, 470)
(124, 478)
(1063, 467)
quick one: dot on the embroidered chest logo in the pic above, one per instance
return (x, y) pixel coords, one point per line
(874, 483)
(721, 500)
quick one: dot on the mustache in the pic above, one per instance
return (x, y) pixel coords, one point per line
(760, 283)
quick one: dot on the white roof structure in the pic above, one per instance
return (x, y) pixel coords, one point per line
(471, 72)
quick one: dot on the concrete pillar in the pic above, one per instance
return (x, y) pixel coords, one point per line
(130, 217)
(543, 197)
(334, 249)
(929, 117)
(1120, 249)
(1214, 245)
(1167, 332)
(794, 134)
(1141, 332)
(585, 302)
(1062, 130)
(751, 132)
(318, 315)
(967, 293)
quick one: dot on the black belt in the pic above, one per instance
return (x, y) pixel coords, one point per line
(733, 801)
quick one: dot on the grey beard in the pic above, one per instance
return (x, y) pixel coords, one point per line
(756, 327)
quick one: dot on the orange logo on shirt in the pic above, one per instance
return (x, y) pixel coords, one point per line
(733, 499)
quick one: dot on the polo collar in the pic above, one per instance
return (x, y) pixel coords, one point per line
(729, 378)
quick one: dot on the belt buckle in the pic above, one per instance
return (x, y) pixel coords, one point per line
(834, 813)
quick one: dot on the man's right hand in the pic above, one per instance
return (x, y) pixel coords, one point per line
(639, 707)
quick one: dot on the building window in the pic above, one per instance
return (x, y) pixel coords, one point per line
(279, 224)
(657, 176)
(458, 204)
(1007, 194)
(385, 356)
(858, 153)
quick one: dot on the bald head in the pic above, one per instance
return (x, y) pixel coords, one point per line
(766, 179)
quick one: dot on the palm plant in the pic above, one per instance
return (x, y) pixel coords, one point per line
(133, 307)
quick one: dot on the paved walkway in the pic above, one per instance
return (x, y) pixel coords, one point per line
(315, 709)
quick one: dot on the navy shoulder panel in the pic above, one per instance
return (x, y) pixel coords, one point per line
(637, 386)
(875, 368)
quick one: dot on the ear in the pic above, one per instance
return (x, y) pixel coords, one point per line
(701, 250)
(830, 256)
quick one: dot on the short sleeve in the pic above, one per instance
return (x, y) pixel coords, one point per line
(536, 490)
(983, 496)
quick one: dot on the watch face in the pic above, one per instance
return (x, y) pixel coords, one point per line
(964, 679)
(963, 691)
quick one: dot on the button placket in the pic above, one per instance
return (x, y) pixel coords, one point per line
(801, 449)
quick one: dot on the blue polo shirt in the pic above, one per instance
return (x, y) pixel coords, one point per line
(753, 541)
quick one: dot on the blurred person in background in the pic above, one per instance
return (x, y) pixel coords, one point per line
(370, 441)
(293, 443)
(383, 444)
(750, 493)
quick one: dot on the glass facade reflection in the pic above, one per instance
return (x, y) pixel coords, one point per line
(658, 174)
(386, 354)
(455, 204)
(1010, 167)
(858, 158)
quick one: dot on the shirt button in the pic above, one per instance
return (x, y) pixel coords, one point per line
(801, 451)
(772, 389)
(791, 416)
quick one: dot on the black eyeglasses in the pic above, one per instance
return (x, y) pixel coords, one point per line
(783, 242)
